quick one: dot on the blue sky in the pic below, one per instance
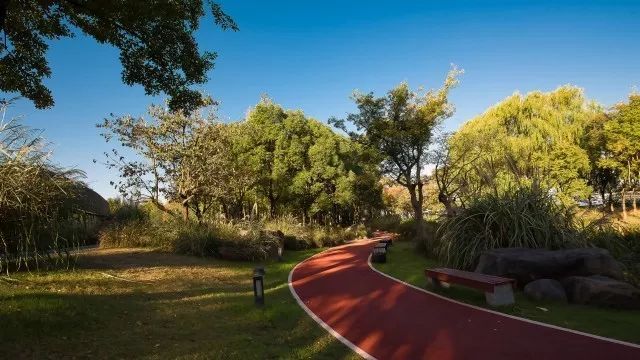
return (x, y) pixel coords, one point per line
(312, 55)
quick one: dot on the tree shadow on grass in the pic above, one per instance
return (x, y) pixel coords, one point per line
(87, 316)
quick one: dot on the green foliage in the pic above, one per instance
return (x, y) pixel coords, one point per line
(249, 241)
(623, 242)
(276, 159)
(180, 157)
(155, 39)
(399, 127)
(524, 139)
(526, 217)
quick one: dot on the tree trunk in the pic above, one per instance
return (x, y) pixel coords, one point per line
(272, 206)
(611, 201)
(446, 201)
(416, 204)
(185, 211)
(633, 195)
(198, 214)
(624, 204)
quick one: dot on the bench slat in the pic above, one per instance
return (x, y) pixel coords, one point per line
(478, 281)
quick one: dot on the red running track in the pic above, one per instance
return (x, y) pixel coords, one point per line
(385, 319)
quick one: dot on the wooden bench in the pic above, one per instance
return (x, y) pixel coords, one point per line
(497, 290)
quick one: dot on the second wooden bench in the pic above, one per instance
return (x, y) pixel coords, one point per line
(498, 291)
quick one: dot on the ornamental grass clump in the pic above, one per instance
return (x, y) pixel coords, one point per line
(37, 208)
(527, 217)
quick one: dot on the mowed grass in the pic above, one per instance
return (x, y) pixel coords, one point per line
(131, 303)
(407, 265)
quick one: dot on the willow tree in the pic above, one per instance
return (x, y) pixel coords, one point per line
(400, 127)
(527, 139)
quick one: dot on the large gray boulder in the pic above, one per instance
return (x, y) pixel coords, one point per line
(545, 290)
(602, 291)
(526, 265)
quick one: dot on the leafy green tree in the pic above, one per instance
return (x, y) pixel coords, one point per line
(238, 187)
(622, 140)
(602, 177)
(527, 139)
(451, 172)
(178, 158)
(400, 126)
(264, 125)
(155, 39)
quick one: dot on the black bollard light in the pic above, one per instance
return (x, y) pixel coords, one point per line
(379, 254)
(258, 288)
(280, 253)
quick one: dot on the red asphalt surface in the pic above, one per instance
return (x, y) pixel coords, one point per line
(390, 320)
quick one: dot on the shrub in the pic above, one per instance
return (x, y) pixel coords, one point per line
(299, 237)
(223, 240)
(622, 242)
(232, 241)
(529, 218)
(389, 222)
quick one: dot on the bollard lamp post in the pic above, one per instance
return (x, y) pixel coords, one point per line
(258, 288)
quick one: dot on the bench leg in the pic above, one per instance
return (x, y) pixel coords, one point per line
(437, 284)
(502, 295)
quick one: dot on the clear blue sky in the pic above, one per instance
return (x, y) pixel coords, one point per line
(312, 55)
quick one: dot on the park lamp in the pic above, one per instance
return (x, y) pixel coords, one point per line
(258, 289)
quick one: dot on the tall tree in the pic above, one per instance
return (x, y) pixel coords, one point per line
(155, 39)
(451, 172)
(178, 158)
(622, 139)
(400, 126)
(603, 177)
(526, 139)
(264, 126)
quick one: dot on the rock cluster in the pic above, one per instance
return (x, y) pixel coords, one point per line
(581, 276)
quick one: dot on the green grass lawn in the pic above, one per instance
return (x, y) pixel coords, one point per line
(125, 303)
(407, 265)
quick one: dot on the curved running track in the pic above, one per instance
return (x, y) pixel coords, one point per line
(383, 318)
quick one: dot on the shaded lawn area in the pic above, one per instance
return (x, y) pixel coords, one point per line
(407, 265)
(132, 303)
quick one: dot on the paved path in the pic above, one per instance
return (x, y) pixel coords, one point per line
(385, 319)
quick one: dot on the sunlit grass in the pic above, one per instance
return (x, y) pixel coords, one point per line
(142, 304)
(406, 264)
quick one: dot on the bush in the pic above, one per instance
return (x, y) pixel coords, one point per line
(390, 222)
(221, 240)
(240, 241)
(622, 242)
(529, 218)
(299, 237)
